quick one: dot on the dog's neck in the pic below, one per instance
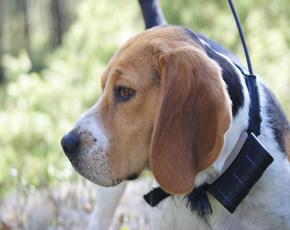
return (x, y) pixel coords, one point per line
(239, 124)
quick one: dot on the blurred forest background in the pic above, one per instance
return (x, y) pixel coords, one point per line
(52, 53)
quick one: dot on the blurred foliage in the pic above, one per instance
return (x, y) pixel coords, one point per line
(36, 26)
(37, 108)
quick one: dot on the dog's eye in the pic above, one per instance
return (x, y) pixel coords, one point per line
(123, 93)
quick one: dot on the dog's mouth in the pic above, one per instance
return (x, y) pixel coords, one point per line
(95, 168)
(133, 176)
(91, 170)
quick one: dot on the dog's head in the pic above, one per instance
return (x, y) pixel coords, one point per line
(163, 105)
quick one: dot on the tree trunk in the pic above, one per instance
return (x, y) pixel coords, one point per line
(57, 21)
(26, 27)
(2, 74)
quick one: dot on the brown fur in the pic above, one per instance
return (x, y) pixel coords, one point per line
(178, 116)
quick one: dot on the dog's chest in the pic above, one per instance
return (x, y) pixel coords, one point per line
(260, 211)
(172, 214)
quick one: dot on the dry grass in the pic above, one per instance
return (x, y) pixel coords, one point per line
(68, 206)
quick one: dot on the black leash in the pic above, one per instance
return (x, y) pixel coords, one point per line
(242, 35)
(250, 162)
(255, 113)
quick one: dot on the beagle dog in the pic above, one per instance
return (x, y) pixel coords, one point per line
(175, 102)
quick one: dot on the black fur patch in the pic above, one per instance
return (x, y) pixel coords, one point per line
(229, 74)
(198, 202)
(232, 80)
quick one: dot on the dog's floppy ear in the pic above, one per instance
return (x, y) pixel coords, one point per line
(195, 112)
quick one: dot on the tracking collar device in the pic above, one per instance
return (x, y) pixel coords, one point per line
(241, 175)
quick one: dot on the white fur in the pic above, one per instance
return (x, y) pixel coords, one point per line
(107, 200)
(93, 162)
(91, 122)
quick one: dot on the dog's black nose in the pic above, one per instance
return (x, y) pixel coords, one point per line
(70, 143)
